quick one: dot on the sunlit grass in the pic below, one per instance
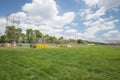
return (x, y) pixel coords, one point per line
(77, 63)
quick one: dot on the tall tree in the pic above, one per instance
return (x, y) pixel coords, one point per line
(52, 39)
(3, 39)
(79, 41)
(10, 33)
(61, 40)
(13, 34)
(22, 38)
(18, 34)
(38, 35)
(30, 36)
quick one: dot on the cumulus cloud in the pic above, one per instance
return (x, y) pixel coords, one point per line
(18, 16)
(74, 24)
(100, 12)
(107, 4)
(103, 6)
(94, 21)
(91, 2)
(93, 27)
(89, 14)
(70, 31)
(110, 33)
(43, 28)
(2, 25)
(46, 12)
(102, 23)
(43, 9)
(67, 27)
(42, 15)
(60, 21)
(112, 36)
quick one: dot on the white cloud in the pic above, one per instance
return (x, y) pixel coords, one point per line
(90, 32)
(79, 35)
(43, 9)
(2, 21)
(60, 21)
(100, 12)
(110, 33)
(107, 4)
(87, 23)
(43, 28)
(84, 12)
(2, 25)
(93, 27)
(74, 24)
(70, 31)
(102, 23)
(93, 20)
(91, 2)
(88, 14)
(42, 15)
(18, 16)
(46, 12)
(112, 36)
(67, 27)
(103, 6)
(115, 9)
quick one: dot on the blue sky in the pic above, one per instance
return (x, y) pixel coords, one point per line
(11, 6)
(96, 20)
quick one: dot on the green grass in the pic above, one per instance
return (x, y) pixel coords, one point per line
(77, 63)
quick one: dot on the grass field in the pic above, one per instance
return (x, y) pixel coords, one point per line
(77, 63)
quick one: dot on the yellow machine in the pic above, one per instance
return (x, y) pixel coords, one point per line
(42, 46)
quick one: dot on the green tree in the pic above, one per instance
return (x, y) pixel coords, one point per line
(22, 38)
(38, 34)
(52, 39)
(79, 41)
(3, 39)
(46, 36)
(30, 36)
(11, 33)
(61, 40)
(72, 41)
(18, 34)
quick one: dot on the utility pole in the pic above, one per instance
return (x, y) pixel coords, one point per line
(6, 21)
(75, 38)
(18, 22)
(13, 21)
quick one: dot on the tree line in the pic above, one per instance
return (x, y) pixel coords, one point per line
(13, 34)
